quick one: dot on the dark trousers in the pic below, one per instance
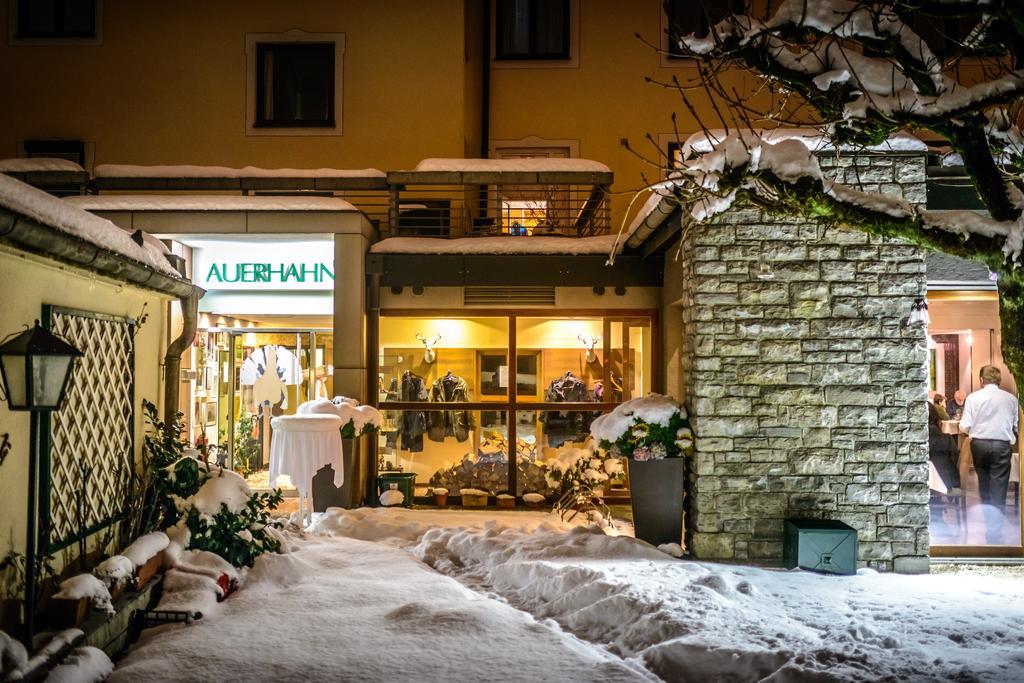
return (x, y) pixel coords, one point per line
(992, 465)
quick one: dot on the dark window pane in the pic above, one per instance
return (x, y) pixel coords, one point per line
(550, 24)
(56, 18)
(79, 16)
(944, 35)
(514, 18)
(37, 17)
(295, 84)
(532, 29)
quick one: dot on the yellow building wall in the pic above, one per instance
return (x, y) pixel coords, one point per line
(168, 84)
(602, 100)
(26, 284)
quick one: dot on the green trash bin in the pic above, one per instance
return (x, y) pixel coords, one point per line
(403, 481)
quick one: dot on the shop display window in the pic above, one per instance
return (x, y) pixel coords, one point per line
(442, 359)
(567, 371)
(453, 449)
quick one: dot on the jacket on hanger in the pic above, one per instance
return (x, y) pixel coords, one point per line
(457, 423)
(411, 423)
(567, 425)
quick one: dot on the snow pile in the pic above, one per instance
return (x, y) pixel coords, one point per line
(706, 621)
(533, 498)
(185, 591)
(348, 409)
(403, 527)
(189, 171)
(86, 586)
(342, 609)
(83, 665)
(206, 202)
(223, 487)
(523, 165)
(115, 571)
(600, 244)
(815, 141)
(439, 491)
(146, 548)
(47, 210)
(653, 409)
(12, 654)
(392, 497)
(39, 164)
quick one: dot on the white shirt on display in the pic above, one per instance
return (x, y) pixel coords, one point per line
(991, 413)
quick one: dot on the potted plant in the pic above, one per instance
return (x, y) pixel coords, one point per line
(506, 500)
(654, 436)
(440, 496)
(473, 498)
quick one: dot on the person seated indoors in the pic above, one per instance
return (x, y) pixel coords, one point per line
(942, 451)
(955, 405)
(939, 401)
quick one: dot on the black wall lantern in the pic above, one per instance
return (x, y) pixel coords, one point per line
(35, 367)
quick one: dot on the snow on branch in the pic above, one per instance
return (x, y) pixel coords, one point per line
(859, 72)
(785, 176)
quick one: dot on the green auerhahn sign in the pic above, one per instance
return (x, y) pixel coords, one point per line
(270, 273)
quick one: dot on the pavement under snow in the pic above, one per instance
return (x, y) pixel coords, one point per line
(375, 595)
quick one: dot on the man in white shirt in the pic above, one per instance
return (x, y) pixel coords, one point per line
(991, 418)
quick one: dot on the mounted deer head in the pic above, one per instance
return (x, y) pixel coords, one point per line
(589, 343)
(429, 355)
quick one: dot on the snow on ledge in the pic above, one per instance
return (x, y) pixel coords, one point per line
(601, 244)
(205, 202)
(46, 209)
(39, 164)
(527, 165)
(812, 138)
(189, 171)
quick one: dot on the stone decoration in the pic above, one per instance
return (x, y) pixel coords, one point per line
(805, 389)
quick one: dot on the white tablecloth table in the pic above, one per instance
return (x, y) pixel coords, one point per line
(300, 446)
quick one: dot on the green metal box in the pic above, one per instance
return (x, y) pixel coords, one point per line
(820, 545)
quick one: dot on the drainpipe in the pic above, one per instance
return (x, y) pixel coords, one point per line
(172, 360)
(485, 99)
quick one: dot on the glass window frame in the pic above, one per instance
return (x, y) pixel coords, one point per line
(59, 29)
(513, 403)
(532, 54)
(329, 57)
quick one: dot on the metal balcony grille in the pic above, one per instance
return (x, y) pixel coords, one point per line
(508, 296)
(94, 429)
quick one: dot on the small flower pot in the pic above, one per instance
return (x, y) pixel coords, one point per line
(506, 502)
(441, 500)
(68, 613)
(474, 500)
(146, 572)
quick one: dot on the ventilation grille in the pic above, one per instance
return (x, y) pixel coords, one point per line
(509, 296)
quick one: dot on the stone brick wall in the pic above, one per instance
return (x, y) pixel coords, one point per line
(806, 391)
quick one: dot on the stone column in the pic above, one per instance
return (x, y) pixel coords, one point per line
(805, 387)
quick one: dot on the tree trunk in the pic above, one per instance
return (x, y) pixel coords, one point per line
(1011, 317)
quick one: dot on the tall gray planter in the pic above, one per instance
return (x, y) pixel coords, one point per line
(656, 495)
(352, 493)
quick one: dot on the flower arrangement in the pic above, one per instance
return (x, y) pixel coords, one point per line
(654, 427)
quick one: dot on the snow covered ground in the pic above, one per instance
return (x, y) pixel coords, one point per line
(387, 594)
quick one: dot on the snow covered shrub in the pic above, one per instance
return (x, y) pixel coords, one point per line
(357, 419)
(653, 427)
(580, 474)
(225, 517)
(213, 507)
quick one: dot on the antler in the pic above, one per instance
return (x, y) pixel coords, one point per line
(437, 338)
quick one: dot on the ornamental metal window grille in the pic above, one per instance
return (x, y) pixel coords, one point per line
(92, 437)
